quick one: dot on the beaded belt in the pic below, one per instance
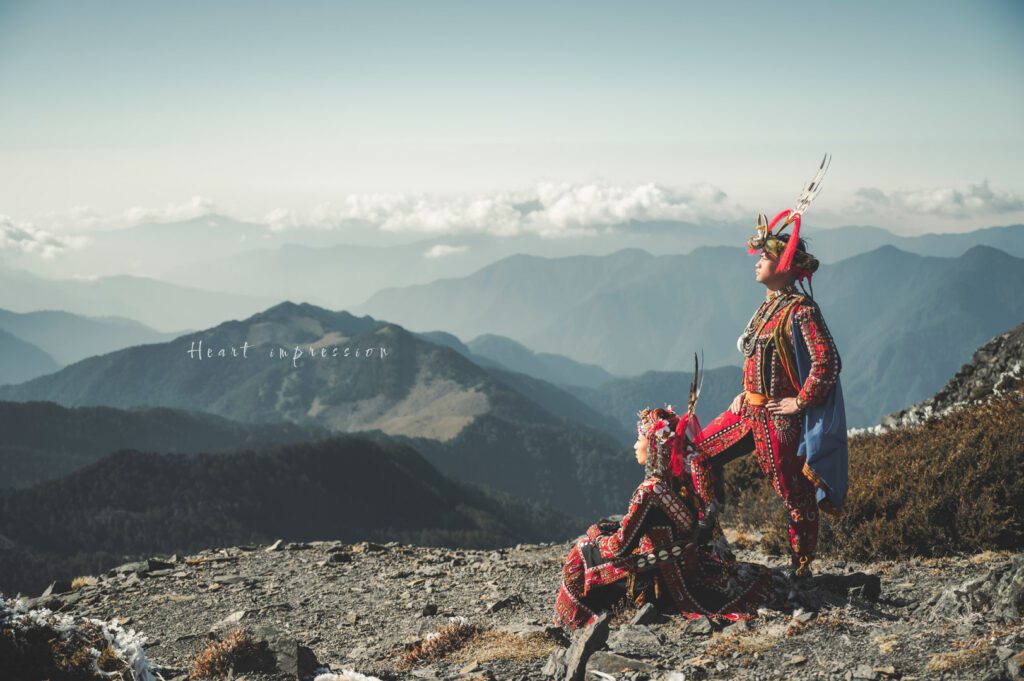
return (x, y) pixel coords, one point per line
(756, 399)
(652, 559)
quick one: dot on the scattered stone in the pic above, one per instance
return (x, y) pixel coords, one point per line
(636, 639)
(429, 610)
(293, 659)
(699, 626)
(276, 546)
(339, 557)
(737, 627)
(864, 671)
(647, 614)
(230, 579)
(584, 642)
(368, 547)
(802, 616)
(554, 667)
(795, 660)
(218, 629)
(610, 663)
(502, 604)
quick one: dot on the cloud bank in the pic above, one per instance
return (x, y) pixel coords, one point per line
(84, 218)
(26, 238)
(977, 200)
(548, 209)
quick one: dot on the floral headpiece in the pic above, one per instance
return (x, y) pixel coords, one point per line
(785, 251)
(668, 434)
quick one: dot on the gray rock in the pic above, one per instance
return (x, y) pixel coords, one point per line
(290, 656)
(1008, 596)
(648, 614)
(700, 626)
(864, 671)
(502, 604)
(610, 663)
(737, 627)
(584, 642)
(554, 667)
(636, 639)
(230, 622)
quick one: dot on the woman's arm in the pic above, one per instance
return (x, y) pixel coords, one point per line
(825, 362)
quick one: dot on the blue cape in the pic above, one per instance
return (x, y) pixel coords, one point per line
(823, 441)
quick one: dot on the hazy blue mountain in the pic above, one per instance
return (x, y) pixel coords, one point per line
(903, 322)
(162, 306)
(420, 390)
(838, 244)
(344, 488)
(620, 398)
(299, 266)
(21, 360)
(43, 440)
(70, 337)
(628, 312)
(543, 365)
(906, 323)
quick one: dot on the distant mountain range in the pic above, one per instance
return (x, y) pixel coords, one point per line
(619, 399)
(43, 440)
(342, 267)
(21, 360)
(501, 428)
(156, 304)
(70, 337)
(903, 322)
(345, 488)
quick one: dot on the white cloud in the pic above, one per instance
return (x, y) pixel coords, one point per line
(26, 238)
(441, 250)
(84, 218)
(976, 200)
(548, 209)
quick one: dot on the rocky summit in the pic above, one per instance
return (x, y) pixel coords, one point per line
(996, 367)
(333, 611)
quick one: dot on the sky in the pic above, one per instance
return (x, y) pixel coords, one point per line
(445, 116)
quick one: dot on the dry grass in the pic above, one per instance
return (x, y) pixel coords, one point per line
(37, 652)
(989, 557)
(745, 642)
(887, 643)
(84, 580)
(957, 659)
(744, 538)
(238, 652)
(951, 486)
(493, 644)
(442, 642)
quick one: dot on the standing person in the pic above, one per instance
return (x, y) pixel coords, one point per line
(791, 409)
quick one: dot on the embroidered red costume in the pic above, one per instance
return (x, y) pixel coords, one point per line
(650, 554)
(774, 361)
(769, 373)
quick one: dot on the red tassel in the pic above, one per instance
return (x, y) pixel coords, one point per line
(786, 259)
(676, 462)
(778, 217)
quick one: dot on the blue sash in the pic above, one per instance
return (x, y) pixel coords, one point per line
(823, 441)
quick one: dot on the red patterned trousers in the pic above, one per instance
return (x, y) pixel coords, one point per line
(775, 440)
